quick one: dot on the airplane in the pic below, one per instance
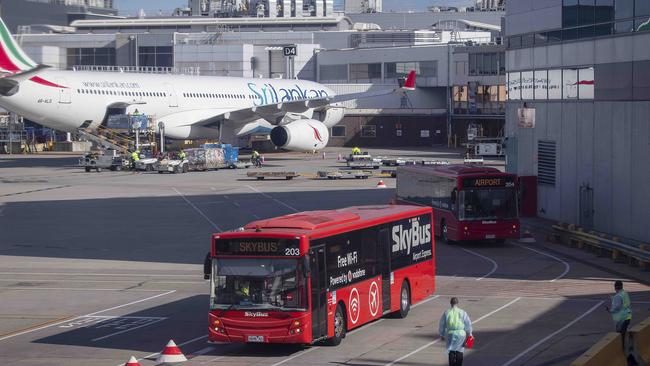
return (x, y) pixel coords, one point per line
(298, 113)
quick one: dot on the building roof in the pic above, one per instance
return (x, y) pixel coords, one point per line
(203, 21)
(474, 24)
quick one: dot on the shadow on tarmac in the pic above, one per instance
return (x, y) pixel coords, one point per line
(7, 161)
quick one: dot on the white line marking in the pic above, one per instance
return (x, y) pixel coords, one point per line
(2, 209)
(425, 301)
(438, 340)
(197, 209)
(179, 345)
(494, 264)
(128, 330)
(87, 315)
(202, 351)
(236, 204)
(296, 355)
(274, 199)
(93, 274)
(567, 267)
(367, 326)
(552, 335)
(74, 289)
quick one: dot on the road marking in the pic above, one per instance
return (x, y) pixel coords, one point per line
(438, 340)
(494, 263)
(202, 351)
(425, 301)
(97, 281)
(296, 355)
(271, 198)
(92, 274)
(152, 322)
(2, 209)
(30, 330)
(552, 335)
(236, 204)
(567, 267)
(179, 345)
(75, 289)
(197, 209)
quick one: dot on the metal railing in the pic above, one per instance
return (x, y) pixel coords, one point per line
(576, 235)
(189, 70)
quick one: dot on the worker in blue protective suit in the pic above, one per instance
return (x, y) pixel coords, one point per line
(620, 309)
(455, 326)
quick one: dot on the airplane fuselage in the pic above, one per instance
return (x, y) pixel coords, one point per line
(72, 99)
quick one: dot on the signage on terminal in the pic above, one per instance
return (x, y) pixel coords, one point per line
(290, 51)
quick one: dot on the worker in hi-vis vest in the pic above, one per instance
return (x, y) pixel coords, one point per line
(620, 309)
(455, 326)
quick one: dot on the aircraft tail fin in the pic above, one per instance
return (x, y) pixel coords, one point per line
(12, 58)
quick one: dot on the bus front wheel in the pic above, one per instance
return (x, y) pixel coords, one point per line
(340, 327)
(404, 300)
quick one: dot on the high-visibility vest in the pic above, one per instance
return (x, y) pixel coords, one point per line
(135, 156)
(626, 312)
(455, 320)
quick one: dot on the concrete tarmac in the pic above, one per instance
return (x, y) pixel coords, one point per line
(95, 267)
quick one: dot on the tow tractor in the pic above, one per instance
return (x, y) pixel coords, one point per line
(98, 161)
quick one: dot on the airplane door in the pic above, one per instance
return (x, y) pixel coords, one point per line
(65, 94)
(384, 265)
(318, 292)
(172, 98)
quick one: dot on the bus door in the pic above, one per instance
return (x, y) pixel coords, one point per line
(318, 292)
(384, 268)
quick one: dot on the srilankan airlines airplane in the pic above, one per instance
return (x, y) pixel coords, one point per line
(298, 113)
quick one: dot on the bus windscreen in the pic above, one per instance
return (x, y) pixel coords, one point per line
(487, 204)
(259, 284)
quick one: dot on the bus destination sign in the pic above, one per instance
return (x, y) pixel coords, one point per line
(486, 182)
(258, 246)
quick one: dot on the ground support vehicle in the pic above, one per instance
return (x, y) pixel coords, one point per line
(394, 161)
(276, 175)
(314, 276)
(146, 164)
(173, 166)
(388, 173)
(363, 162)
(96, 161)
(343, 174)
(470, 202)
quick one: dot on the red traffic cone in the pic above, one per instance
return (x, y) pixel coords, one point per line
(262, 159)
(381, 184)
(171, 354)
(340, 158)
(132, 362)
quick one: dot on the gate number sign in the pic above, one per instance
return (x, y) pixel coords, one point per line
(289, 51)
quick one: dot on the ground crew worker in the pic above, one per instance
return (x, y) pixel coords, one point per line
(135, 157)
(356, 151)
(620, 309)
(454, 327)
(181, 155)
(255, 158)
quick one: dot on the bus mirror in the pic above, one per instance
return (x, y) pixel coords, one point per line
(207, 267)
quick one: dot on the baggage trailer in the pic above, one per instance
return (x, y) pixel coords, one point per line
(343, 174)
(276, 175)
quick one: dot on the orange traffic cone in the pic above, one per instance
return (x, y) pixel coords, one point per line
(132, 362)
(171, 354)
(381, 184)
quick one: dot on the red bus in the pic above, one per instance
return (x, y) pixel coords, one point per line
(313, 276)
(470, 202)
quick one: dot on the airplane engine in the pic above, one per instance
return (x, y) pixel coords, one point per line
(333, 116)
(301, 135)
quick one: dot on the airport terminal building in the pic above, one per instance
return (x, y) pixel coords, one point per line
(578, 115)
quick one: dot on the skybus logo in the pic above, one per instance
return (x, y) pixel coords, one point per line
(410, 238)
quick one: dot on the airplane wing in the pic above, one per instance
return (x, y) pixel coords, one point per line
(9, 82)
(274, 112)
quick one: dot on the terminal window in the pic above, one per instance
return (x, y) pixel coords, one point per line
(338, 131)
(369, 131)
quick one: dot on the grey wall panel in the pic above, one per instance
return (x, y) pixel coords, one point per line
(540, 58)
(603, 50)
(541, 4)
(585, 144)
(520, 6)
(641, 49)
(621, 166)
(575, 54)
(640, 175)
(603, 166)
(521, 59)
(525, 16)
(622, 50)
(567, 163)
(554, 55)
(546, 19)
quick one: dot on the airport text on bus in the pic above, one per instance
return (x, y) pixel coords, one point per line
(470, 202)
(313, 276)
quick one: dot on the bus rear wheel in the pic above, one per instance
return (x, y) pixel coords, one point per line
(404, 300)
(340, 327)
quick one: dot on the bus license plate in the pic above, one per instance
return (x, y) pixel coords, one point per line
(490, 236)
(256, 338)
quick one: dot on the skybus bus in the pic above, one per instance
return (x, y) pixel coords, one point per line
(470, 202)
(313, 276)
